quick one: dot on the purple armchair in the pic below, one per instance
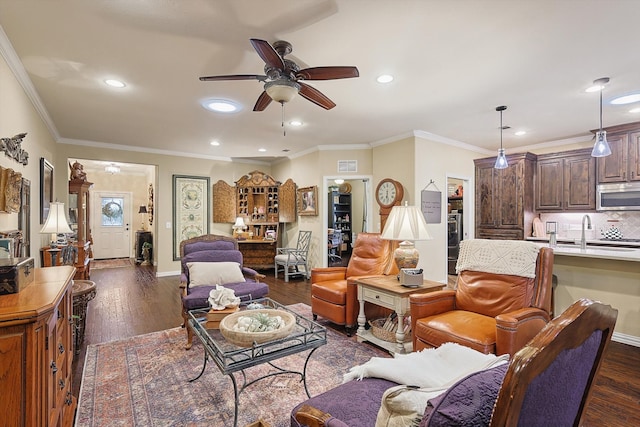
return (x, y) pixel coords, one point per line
(212, 248)
(547, 382)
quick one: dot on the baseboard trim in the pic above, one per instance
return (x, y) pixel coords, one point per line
(626, 339)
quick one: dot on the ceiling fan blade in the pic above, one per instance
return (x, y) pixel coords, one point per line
(267, 53)
(234, 77)
(327, 73)
(263, 102)
(315, 96)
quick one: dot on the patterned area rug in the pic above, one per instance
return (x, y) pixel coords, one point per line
(143, 381)
(111, 263)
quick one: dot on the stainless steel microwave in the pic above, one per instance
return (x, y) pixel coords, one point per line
(618, 197)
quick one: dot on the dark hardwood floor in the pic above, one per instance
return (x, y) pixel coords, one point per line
(132, 301)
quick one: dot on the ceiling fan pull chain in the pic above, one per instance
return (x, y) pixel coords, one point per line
(284, 130)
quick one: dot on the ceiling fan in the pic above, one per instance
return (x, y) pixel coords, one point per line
(283, 77)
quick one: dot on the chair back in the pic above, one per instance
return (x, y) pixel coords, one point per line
(489, 293)
(551, 377)
(208, 248)
(372, 256)
(68, 254)
(304, 241)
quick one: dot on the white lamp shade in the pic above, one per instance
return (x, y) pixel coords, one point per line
(601, 148)
(239, 223)
(57, 220)
(406, 223)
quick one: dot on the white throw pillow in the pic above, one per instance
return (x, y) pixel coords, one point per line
(214, 273)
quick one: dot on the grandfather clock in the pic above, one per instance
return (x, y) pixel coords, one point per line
(389, 193)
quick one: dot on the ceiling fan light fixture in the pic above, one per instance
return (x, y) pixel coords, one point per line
(112, 168)
(501, 160)
(282, 90)
(601, 147)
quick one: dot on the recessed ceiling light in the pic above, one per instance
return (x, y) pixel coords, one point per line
(520, 133)
(385, 78)
(635, 110)
(215, 143)
(295, 123)
(626, 99)
(262, 150)
(114, 83)
(221, 105)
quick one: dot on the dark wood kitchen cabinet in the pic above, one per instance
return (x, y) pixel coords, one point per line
(623, 165)
(504, 197)
(566, 181)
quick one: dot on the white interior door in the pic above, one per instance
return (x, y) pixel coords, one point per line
(112, 225)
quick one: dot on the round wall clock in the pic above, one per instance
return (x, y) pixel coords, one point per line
(389, 193)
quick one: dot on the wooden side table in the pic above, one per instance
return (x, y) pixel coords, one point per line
(386, 291)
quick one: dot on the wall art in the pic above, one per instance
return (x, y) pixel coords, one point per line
(190, 209)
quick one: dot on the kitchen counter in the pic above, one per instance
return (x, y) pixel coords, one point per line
(604, 249)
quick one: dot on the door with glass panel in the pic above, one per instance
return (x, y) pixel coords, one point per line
(112, 225)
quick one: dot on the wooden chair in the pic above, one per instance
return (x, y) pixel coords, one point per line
(294, 257)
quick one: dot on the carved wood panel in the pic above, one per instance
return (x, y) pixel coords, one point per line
(224, 202)
(288, 201)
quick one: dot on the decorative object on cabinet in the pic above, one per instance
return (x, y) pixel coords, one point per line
(36, 332)
(15, 274)
(190, 209)
(150, 205)
(623, 165)
(504, 197)
(17, 239)
(77, 173)
(224, 203)
(143, 237)
(308, 201)
(142, 211)
(10, 186)
(239, 227)
(566, 181)
(501, 160)
(46, 188)
(340, 221)
(24, 218)
(55, 225)
(80, 214)
(389, 193)
(406, 224)
(12, 147)
(601, 146)
(6, 248)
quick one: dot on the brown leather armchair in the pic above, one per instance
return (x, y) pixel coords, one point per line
(334, 294)
(489, 312)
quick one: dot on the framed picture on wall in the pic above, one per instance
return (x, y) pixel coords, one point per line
(308, 200)
(190, 209)
(46, 188)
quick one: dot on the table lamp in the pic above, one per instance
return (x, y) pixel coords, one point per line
(56, 223)
(142, 211)
(407, 224)
(239, 226)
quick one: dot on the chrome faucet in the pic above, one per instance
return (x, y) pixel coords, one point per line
(583, 240)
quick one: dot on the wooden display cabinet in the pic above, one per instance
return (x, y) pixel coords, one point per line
(623, 165)
(79, 215)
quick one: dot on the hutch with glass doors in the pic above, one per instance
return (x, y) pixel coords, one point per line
(79, 214)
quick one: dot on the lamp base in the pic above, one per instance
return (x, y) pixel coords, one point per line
(406, 255)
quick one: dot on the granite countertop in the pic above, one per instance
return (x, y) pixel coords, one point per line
(593, 242)
(595, 249)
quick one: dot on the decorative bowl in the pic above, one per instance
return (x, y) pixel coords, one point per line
(247, 339)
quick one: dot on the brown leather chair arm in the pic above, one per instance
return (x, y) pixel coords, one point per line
(515, 329)
(423, 305)
(328, 273)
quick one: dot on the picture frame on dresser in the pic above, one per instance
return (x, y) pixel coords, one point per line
(308, 201)
(191, 209)
(46, 188)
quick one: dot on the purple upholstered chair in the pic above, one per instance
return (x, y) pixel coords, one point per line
(212, 248)
(548, 382)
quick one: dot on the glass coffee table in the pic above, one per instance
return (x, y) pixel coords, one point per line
(307, 335)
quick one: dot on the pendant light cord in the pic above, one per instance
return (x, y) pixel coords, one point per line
(601, 110)
(501, 129)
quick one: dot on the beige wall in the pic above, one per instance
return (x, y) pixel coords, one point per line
(17, 115)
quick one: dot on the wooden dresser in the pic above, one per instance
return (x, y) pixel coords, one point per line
(36, 351)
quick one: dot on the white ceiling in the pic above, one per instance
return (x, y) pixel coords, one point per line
(453, 62)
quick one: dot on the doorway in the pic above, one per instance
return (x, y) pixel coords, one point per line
(112, 224)
(347, 212)
(458, 222)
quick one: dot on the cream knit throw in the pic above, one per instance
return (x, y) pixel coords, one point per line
(513, 257)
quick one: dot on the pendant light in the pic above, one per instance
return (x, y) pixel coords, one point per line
(601, 147)
(501, 160)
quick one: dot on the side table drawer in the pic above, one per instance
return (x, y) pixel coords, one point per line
(378, 297)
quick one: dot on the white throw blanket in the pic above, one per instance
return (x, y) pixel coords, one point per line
(430, 368)
(429, 373)
(513, 257)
